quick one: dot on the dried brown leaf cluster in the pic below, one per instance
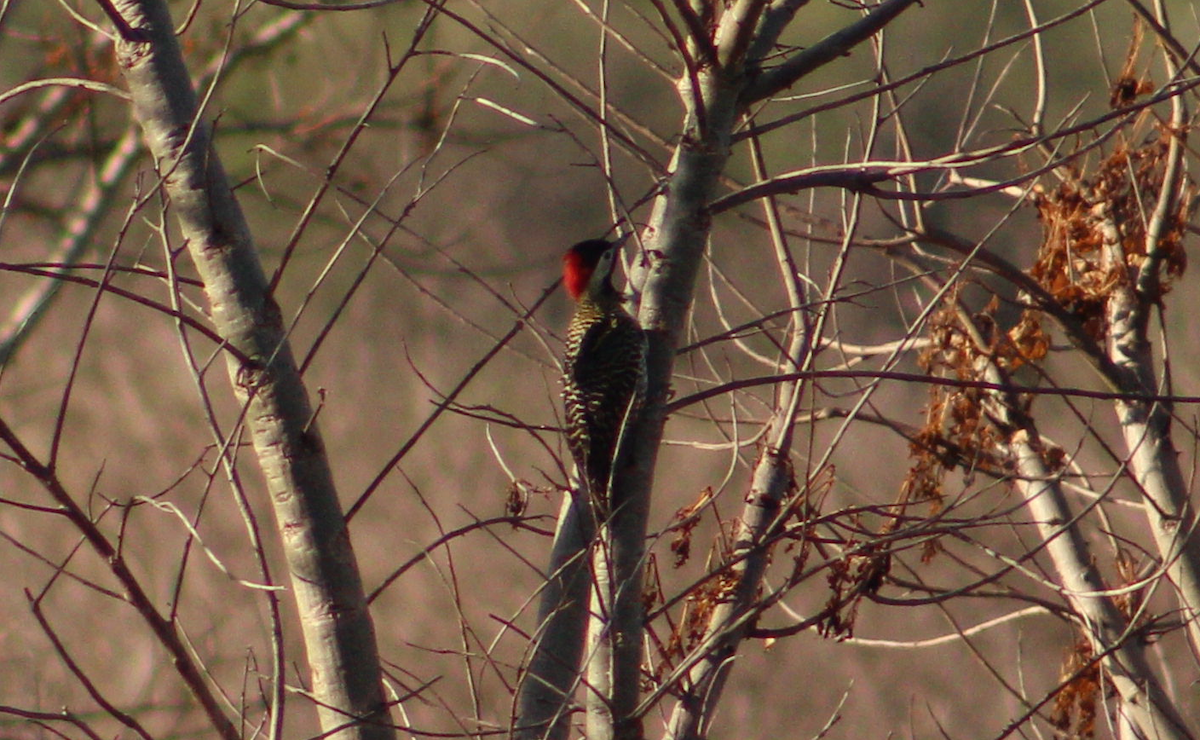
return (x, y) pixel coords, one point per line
(1075, 705)
(690, 629)
(686, 520)
(850, 578)
(1085, 214)
(956, 431)
(1074, 712)
(1129, 85)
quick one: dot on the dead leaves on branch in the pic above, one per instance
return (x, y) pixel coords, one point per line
(1086, 220)
(957, 432)
(788, 533)
(1098, 237)
(1085, 688)
(851, 579)
(1116, 201)
(1075, 705)
(686, 521)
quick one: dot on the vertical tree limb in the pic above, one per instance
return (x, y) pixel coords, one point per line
(770, 484)
(701, 689)
(665, 279)
(1143, 703)
(338, 634)
(1146, 426)
(79, 229)
(544, 697)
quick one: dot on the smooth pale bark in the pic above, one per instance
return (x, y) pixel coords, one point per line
(1143, 703)
(701, 688)
(1146, 425)
(600, 724)
(545, 696)
(337, 629)
(714, 96)
(675, 242)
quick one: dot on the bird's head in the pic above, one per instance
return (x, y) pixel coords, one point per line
(588, 267)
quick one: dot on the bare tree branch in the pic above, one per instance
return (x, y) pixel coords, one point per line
(329, 594)
(837, 44)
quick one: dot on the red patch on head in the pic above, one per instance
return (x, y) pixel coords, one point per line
(576, 274)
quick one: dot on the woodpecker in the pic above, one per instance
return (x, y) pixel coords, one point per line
(604, 370)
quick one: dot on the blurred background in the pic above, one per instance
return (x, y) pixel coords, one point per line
(449, 211)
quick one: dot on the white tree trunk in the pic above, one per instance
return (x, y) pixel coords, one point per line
(340, 639)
